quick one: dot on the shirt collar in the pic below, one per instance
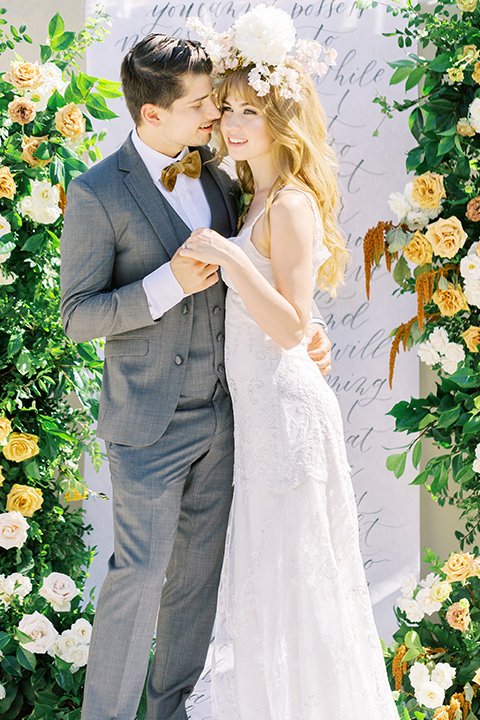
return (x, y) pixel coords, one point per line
(154, 161)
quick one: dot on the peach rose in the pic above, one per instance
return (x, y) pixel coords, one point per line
(446, 236)
(418, 249)
(69, 121)
(29, 146)
(450, 301)
(24, 75)
(458, 617)
(24, 499)
(7, 184)
(458, 567)
(5, 428)
(472, 338)
(22, 111)
(473, 209)
(21, 446)
(428, 190)
(464, 128)
(476, 73)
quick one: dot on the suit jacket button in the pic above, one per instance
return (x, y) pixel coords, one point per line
(220, 368)
(185, 309)
(216, 310)
(178, 360)
(220, 337)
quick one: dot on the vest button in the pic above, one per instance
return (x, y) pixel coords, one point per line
(178, 360)
(185, 309)
(220, 368)
(220, 337)
(216, 310)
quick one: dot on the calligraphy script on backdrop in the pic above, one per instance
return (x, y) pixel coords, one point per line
(369, 169)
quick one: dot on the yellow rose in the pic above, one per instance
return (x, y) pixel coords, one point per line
(418, 249)
(472, 338)
(24, 499)
(21, 446)
(5, 428)
(467, 5)
(22, 111)
(7, 184)
(24, 75)
(74, 495)
(440, 591)
(69, 121)
(2, 477)
(428, 190)
(458, 567)
(476, 73)
(455, 74)
(446, 236)
(463, 126)
(29, 146)
(450, 301)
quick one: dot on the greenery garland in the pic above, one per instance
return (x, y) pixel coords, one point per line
(44, 631)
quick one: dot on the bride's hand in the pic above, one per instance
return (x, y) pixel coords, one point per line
(207, 246)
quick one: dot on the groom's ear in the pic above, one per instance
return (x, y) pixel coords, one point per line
(151, 115)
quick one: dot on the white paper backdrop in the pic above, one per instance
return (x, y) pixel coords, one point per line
(370, 168)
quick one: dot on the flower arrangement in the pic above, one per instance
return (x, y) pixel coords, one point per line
(434, 662)
(46, 133)
(262, 39)
(433, 251)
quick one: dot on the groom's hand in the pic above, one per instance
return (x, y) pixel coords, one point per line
(319, 347)
(193, 275)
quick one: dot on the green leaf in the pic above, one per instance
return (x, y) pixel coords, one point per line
(417, 453)
(463, 168)
(415, 77)
(465, 474)
(15, 344)
(442, 283)
(76, 164)
(62, 42)
(397, 239)
(26, 658)
(421, 478)
(34, 242)
(56, 171)
(401, 271)
(45, 53)
(396, 463)
(415, 123)
(7, 247)
(45, 151)
(56, 26)
(414, 158)
(441, 63)
(109, 89)
(24, 362)
(97, 107)
(400, 74)
(11, 666)
(448, 418)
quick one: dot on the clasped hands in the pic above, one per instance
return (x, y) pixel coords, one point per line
(195, 265)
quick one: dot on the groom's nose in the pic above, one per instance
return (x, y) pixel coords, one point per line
(212, 111)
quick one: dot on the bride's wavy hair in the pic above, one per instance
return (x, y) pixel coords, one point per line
(301, 155)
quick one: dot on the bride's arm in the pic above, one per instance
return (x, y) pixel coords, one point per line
(281, 311)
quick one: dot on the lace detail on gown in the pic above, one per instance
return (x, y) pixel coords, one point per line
(295, 637)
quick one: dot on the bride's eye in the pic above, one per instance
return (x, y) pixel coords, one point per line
(226, 108)
(250, 111)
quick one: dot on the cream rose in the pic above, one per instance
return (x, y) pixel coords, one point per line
(428, 190)
(474, 114)
(472, 338)
(428, 354)
(24, 75)
(58, 589)
(5, 428)
(426, 603)
(13, 530)
(450, 301)
(443, 675)
(29, 146)
(63, 643)
(419, 674)
(430, 694)
(440, 591)
(22, 111)
(464, 128)
(24, 499)
(458, 567)
(411, 609)
(476, 561)
(446, 236)
(409, 586)
(69, 121)
(418, 250)
(82, 630)
(40, 629)
(472, 292)
(78, 655)
(7, 184)
(14, 585)
(467, 5)
(470, 267)
(438, 339)
(21, 446)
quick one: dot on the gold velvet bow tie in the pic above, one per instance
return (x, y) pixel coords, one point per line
(191, 165)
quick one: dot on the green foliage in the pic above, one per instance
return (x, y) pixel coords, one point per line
(49, 385)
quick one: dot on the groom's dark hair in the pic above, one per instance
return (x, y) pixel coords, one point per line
(153, 71)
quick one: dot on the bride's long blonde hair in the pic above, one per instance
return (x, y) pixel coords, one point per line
(301, 155)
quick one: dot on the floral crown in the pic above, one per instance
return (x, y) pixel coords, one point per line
(262, 38)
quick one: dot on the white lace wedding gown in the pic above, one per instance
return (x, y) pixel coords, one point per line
(295, 637)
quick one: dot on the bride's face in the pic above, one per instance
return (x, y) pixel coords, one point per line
(244, 129)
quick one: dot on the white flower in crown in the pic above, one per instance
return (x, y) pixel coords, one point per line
(308, 55)
(264, 35)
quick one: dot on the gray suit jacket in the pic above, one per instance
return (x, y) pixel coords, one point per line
(118, 228)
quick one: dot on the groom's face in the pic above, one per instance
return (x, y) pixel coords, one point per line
(190, 119)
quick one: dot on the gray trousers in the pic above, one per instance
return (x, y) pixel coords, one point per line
(170, 502)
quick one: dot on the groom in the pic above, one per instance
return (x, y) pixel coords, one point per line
(165, 413)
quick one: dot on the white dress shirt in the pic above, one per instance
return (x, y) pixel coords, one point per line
(188, 199)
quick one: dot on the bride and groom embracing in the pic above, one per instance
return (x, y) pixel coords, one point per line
(149, 246)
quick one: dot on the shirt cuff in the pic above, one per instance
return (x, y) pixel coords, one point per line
(319, 321)
(163, 290)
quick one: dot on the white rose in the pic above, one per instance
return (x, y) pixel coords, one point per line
(418, 675)
(430, 694)
(64, 642)
(3, 692)
(13, 529)
(438, 340)
(449, 366)
(77, 655)
(470, 267)
(411, 609)
(395, 695)
(426, 603)
(40, 629)
(476, 465)
(474, 114)
(5, 226)
(433, 213)
(40, 96)
(409, 196)
(82, 630)
(16, 584)
(264, 35)
(59, 590)
(454, 352)
(477, 451)
(443, 675)
(408, 586)
(6, 278)
(399, 205)
(416, 219)
(427, 354)
(52, 77)
(472, 292)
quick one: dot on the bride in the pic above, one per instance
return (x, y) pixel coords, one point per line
(295, 635)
